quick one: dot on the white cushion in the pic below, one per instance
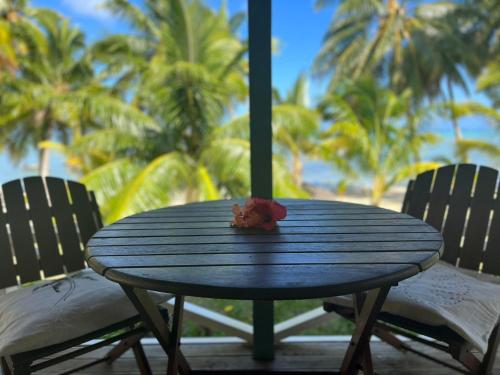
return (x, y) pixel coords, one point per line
(53, 312)
(464, 301)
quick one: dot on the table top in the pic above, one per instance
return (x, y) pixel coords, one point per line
(321, 249)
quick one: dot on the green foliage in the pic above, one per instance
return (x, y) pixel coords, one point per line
(388, 38)
(139, 116)
(7, 52)
(295, 126)
(369, 134)
(489, 81)
(467, 145)
(145, 129)
(54, 94)
(283, 310)
(422, 49)
(184, 67)
(457, 111)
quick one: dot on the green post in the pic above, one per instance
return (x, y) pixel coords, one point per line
(259, 39)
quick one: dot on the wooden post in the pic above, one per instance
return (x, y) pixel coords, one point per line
(259, 39)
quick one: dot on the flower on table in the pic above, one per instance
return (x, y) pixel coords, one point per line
(258, 213)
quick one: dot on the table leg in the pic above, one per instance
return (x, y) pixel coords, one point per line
(175, 335)
(169, 340)
(358, 301)
(365, 319)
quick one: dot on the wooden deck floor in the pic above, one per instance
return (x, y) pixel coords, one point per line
(308, 356)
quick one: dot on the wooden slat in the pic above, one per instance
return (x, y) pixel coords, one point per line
(82, 208)
(28, 267)
(290, 218)
(421, 194)
(314, 355)
(236, 240)
(288, 202)
(301, 210)
(440, 196)
(457, 211)
(419, 228)
(7, 268)
(480, 210)
(95, 209)
(491, 260)
(128, 224)
(267, 282)
(407, 197)
(41, 216)
(404, 246)
(227, 214)
(194, 260)
(68, 236)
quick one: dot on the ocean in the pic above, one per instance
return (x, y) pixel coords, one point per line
(323, 174)
(316, 172)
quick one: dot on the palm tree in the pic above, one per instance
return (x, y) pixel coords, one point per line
(54, 95)
(427, 48)
(459, 110)
(380, 37)
(133, 173)
(489, 81)
(369, 134)
(184, 68)
(296, 125)
(9, 13)
(184, 64)
(7, 53)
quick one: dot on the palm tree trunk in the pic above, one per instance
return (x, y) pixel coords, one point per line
(298, 168)
(191, 194)
(44, 162)
(412, 127)
(378, 189)
(457, 131)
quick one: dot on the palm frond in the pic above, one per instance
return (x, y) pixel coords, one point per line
(108, 182)
(151, 187)
(487, 148)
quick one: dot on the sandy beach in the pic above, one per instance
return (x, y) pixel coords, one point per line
(392, 200)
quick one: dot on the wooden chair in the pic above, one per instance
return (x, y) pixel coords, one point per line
(463, 202)
(44, 224)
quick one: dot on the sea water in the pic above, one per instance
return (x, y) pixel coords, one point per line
(324, 174)
(316, 172)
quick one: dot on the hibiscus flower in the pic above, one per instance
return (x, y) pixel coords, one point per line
(258, 213)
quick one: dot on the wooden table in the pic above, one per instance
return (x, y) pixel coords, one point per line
(322, 249)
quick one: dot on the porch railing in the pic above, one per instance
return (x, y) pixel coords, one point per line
(233, 327)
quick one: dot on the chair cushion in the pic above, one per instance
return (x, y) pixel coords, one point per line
(53, 312)
(464, 301)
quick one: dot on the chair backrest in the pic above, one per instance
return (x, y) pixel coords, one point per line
(44, 224)
(462, 201)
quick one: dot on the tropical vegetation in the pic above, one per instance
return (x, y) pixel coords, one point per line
(154, 116)
(54, 93)
(184, 91)
(429, 48)
(369, 132)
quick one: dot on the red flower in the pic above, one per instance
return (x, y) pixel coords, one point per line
(258, 213)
